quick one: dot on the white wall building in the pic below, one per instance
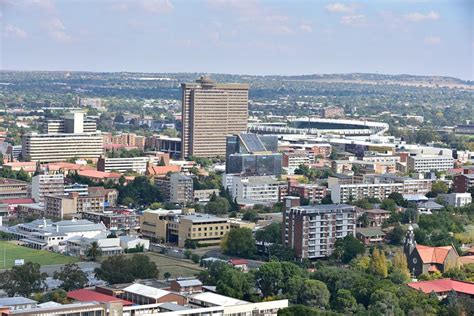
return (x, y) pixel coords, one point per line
(456, 199)
(426, 163)
(46, 184)
(263, 188)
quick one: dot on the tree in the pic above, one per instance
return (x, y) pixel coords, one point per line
(348, 248)
(239, 242)
(397, 198)
(269, 277)
(94, 251)
(315, 293)
(195, 258)
(71, 277)
(400, 273)
(364, 220)
(120, 269)
(363, 203)
(23, 280)
(384, 303)
(217, 206)
(281, 253)
(378, 264)
(326, 200)
(299, 310)
(439, 187)
(142, 267)
(167, 275)
(250, 216)
(345, 302)
(396, 235)
(389, 205)
(270, 233)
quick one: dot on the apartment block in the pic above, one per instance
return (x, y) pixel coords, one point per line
(72, 137)
(133, 164)
(119, 220)
(177, 188)
(294, 159)
(61, 147)
(463, 182)
(313, 192)
(426, 163)
(312, 231)
(352, 192)
(210, 112)
(46, 184)
(456, 199)
(258, 189)
(14, 189)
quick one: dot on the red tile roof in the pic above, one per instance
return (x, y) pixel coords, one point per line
(433, 254)
(238, 262)
(17, 201)
(162, 170)
(98, 174)
(85, 295)
(443, 285)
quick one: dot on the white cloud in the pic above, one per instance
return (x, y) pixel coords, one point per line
(432, 40)
(11, 31)
(420, 17)
(157, 6)
(339, 8)
(152, 6)
(57, 30)
(306, 28)
(45, 4)
(353, 20)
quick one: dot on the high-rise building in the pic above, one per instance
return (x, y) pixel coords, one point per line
(253, 155)
(312, 231)
(210, 112)
(72, 137)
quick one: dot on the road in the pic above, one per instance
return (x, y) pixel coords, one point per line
(87, 267)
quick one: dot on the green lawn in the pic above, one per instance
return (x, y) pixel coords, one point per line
(43, 257)
(176, 267)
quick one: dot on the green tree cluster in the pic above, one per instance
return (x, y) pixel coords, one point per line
(123, 269)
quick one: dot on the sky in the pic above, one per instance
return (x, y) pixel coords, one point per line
(291, 37)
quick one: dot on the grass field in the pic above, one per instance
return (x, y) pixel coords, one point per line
(43, 257)
(176, 267)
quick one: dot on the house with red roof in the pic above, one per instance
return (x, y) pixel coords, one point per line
(241, 264)
(441, 287)
(86, 295)
(425, 259)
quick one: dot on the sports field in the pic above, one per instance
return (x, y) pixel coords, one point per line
(43, 257)
(176, 267)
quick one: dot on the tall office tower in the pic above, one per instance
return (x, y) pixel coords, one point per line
(210, 112)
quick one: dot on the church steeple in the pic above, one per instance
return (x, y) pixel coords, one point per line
(410, 242)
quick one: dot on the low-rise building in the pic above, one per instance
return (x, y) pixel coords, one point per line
(313, 192)
(370, 235)
(425, 259)
(377, 216)
(204, 195)
(14, 189)
(175, 226)
(456, 199)
(45, 234)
